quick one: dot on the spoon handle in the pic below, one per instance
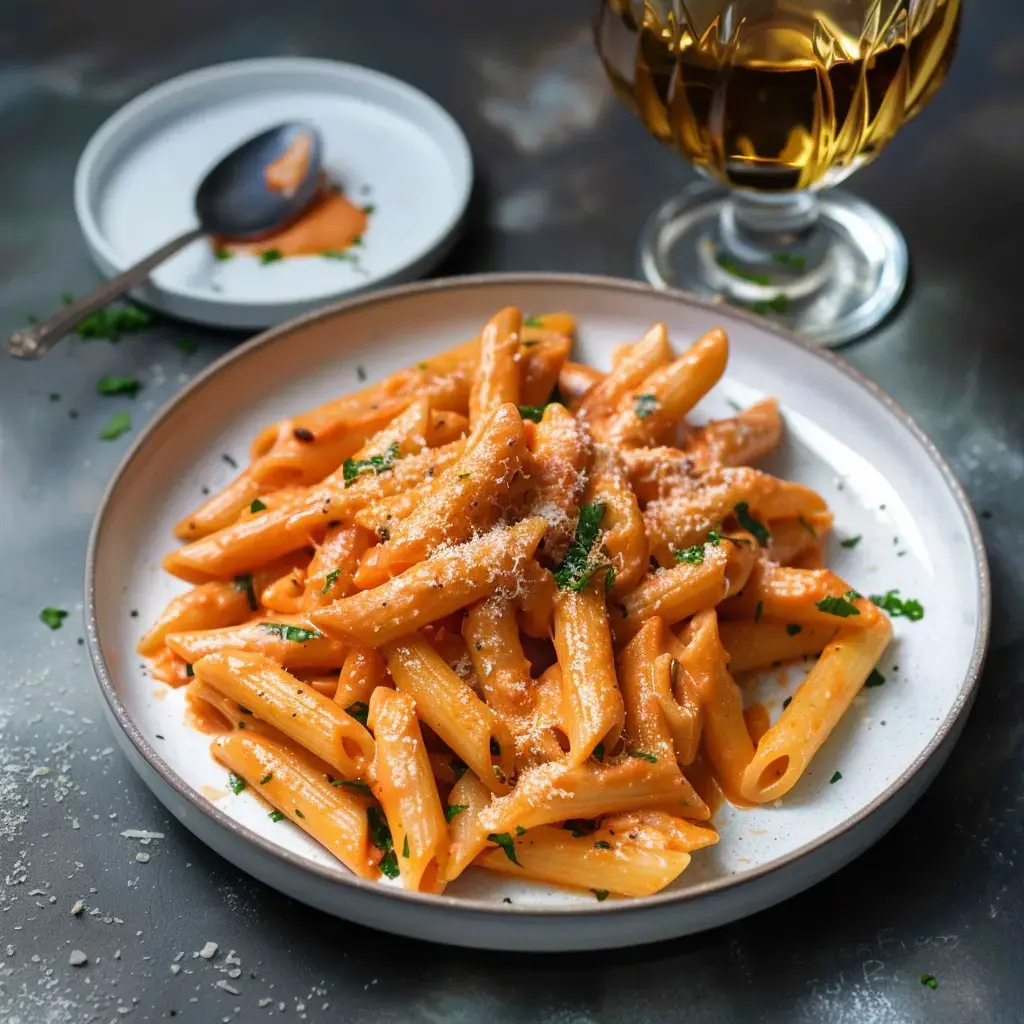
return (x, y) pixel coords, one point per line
(35, 341)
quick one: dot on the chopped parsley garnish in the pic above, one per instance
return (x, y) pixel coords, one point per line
(837, 606)
(222, 255)
(929, 981)
(576, 569)
(601, 894)
(737, 271)
(836, 776)
(599, 751)
(643, 754)
(533, 321)
(389, 865)
(53, 617)
(236, 783)
(789, 259)
(405, 848)
(375, 464)
(692, 556)
(520, 831)
(609, 578)
(850, 542)
(118, 424)
(329, 582)
(296, 634)
(339, 254)
(896, 606)
(505, 841)
(270, 256)
(359, 710)
(602, 845)
(793, 628)
(758, 610)
(266, 778)
(645, 405)
(369, 208)
(108, 385)
(786, 703)
(750, 524)
(357, 784)
(256, 506)
(189, 671)
(186, 345)
(532, 412)
(452, 809)
(244, 584)
(714, 538)
(875, 678)
(112, 322)
(275, 816)
(298, 813)
(380, 833)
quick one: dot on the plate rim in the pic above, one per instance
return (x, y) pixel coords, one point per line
(134, 113)
(441, 902)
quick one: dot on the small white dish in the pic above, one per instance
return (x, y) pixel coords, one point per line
(387, 144)
(844, 436)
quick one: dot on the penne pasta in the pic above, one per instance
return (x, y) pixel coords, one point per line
(757, 645)
(497, 376)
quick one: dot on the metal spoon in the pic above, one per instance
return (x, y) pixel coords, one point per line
(234, 200)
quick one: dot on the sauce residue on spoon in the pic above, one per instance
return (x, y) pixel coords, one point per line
(285, 174)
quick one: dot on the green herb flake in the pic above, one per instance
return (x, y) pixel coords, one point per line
(114, 321)
(737, 271)
(850, 542)
(532, 412)
(118, 424)
(298, 813)
(54, 396)
(256, 506)
(836, 776)
(266, 778)
(296, 634)
(794, 628)
(644, 755)
(758, 610)
(577, 567)
(714, 538)
(340, 254)
(275, 816)
(329, 581)
(357, 785)
(389, 865)
(223, 255)
(186, 345)
(235, 783)
(929, 981)
(691, 556)
(270, 256)
(750, 524)
(453, 809)
(505, 841)
(533, 321)
(837, 606)
(520, 831)
(369, 208)
(359, 710)
(601, 844)
(898, 607)
(601, 894)
(645, 405)
(875, 678)
(786, 703)
(108, 385)
(53, 617)
(352, 469)
(380, 833)
(244, 584)
(789, 259)
(405, 848)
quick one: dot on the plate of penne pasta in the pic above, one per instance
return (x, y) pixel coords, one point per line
(536, 611)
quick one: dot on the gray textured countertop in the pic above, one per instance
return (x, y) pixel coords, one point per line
(565, 178)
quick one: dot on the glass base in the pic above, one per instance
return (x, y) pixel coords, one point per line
(829, 267)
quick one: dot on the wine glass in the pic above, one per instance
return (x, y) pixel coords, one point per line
(774, 102)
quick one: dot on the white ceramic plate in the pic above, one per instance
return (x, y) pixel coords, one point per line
(385, 142)
(844, 437)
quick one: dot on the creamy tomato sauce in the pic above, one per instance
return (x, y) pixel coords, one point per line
(285, 174)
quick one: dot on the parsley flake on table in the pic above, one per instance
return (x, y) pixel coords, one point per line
(577, 567)
(108, 385)
(840, 606)
(118, 424)
(352, 469)
(505, 841)
(929, 981)
(898, 607)
(750, 524)
(186, 345)
(53, 617)
(645, 405)
(296, 634)
(112, 322)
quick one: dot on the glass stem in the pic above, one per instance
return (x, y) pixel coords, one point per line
(754, 227)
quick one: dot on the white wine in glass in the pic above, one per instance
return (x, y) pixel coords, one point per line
(775, 101)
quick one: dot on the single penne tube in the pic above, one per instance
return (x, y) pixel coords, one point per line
(561, 455)
(404, 783)
(497, 375)
(556, 791)
(468, 797)
(645, 727)
(445, 583)
(540, 361)
(363, 671)
(623, 539)
(290, 640)
(464, 501)
(452, 710)
(758, 645)
(273, 533)
(575, 380)
(285, 593)
(592, 705)
(668, 393)
(617, 865)
(786, 749)
(289, 780)
(331, 571)
(491, 632)
(725, 739)
(296, 709)
(738, 441)
(634, 366)
(535, 596)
